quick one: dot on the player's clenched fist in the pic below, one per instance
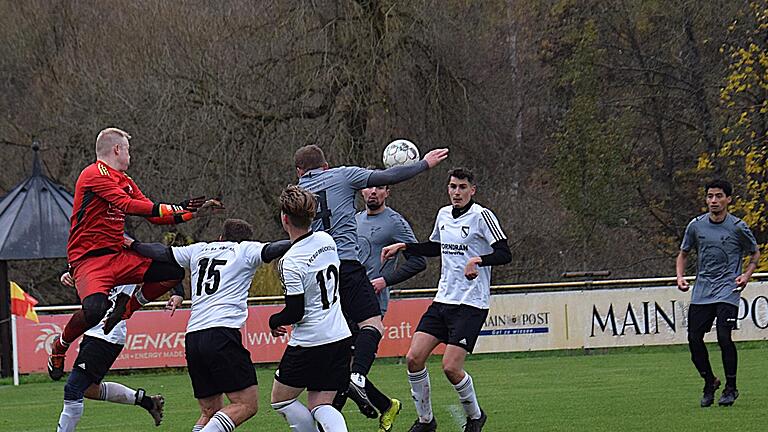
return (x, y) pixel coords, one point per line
(390, 251)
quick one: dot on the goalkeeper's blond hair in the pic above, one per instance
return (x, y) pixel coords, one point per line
(108, 138)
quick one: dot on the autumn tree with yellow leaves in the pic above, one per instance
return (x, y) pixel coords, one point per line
(743, 158)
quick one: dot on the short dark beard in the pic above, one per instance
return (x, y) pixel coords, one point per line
(373, 206)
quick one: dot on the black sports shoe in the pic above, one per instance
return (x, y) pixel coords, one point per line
(728, 397)
(360, 397)
(116, 315)
(158, 402)
(709, 393)
(476, 425)
(424, 427)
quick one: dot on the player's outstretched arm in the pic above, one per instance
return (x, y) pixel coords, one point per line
(156, 251)
(194, 209)
(413, 265)
(401, 173)
(274, 250)
(137, 204)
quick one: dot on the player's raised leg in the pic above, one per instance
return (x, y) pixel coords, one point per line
(94, 307)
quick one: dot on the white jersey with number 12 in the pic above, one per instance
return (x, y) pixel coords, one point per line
(311, 267)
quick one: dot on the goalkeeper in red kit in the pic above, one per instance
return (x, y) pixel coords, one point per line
(104, 195)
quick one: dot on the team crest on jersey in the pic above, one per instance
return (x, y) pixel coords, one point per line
(464, 232)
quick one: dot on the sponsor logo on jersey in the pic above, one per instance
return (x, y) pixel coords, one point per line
(103, 169)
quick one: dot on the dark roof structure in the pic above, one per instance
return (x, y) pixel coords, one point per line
(34, 218)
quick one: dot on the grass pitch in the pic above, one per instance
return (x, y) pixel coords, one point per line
(641, 389)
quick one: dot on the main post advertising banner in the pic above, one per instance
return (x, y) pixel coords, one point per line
(607, 318)
(516, 322)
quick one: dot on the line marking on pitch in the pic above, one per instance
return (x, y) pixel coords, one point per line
(457, 413)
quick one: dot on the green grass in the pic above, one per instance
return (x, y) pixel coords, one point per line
(641, 389)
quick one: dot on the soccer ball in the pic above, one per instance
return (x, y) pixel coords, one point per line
(400, 152)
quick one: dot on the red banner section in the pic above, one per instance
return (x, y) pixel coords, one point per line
(156, 339)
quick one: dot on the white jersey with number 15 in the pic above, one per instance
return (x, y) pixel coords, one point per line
(221, 274)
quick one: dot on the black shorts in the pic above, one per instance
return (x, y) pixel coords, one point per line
(217, 362)
(358, 299)
(318, 368)
(458, 325)
(701, 316)
(96, 356)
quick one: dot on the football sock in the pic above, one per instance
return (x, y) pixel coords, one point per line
(420, 390)
(220, 422)
(117, 393)
(297, 415)
(467, 396)
(366, 344)
(729, 355)
(329, 418)
(700, 356)
(70, 415)
(75, 328)
(150, 291)
(377, 398)
(197, 428)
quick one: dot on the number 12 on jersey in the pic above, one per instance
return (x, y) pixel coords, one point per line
(203, 266)
(321, 277)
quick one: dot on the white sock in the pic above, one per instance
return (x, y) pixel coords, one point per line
(297, 415)
(117, 393)
(467, 396)
(220, 422)
(420, 390)
(329, 418)
(197, 428)
(70, 415)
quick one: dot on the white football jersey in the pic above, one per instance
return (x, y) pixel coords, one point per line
(119, 333)
(469, 235)
(221, 273)
(311, 267)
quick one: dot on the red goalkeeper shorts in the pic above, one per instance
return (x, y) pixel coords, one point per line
(99, 274)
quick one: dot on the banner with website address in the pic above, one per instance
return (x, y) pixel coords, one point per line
(516, 322)
(156, 339)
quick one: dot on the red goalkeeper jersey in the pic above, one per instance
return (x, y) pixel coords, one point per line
(103, 196)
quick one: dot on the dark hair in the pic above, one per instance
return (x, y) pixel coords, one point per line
(461, 174)
(309, 157)
(237, 230)
(719, 184)
(299, 205)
